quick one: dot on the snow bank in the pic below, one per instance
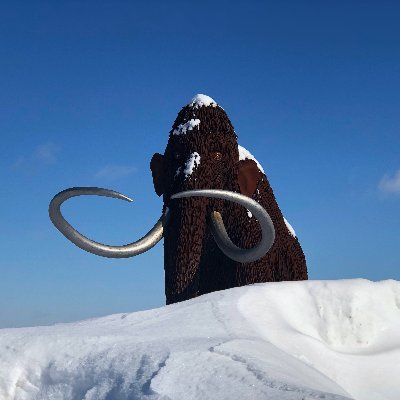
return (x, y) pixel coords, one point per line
(288, 340)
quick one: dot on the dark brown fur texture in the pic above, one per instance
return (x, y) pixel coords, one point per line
(193, 263)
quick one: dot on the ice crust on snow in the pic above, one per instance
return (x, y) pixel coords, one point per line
(202, 100)
(187, 126)
(286, 340)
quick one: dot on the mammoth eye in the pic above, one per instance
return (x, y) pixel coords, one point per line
(177, 155)
(216, 156)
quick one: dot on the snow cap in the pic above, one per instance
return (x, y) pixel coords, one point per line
(201, 100)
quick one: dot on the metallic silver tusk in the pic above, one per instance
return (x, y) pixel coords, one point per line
(219, 232)
(145, 243)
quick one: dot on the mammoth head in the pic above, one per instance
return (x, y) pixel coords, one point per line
(201, 160)
(202, 153)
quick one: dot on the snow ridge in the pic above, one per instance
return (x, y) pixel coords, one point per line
(284, 340)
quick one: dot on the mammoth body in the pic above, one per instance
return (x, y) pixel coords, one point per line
(221, 224)
(203, 153)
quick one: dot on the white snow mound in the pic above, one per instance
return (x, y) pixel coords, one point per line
(287, 341)
(202, 100)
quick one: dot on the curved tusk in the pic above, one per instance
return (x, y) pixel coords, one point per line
(219, 232)
(145, 243)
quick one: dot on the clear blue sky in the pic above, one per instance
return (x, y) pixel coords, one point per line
(89, 91)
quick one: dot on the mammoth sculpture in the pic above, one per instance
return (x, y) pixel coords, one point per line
(221, 224)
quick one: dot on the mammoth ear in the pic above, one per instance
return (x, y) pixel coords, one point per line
(248, 176)
(157, 171)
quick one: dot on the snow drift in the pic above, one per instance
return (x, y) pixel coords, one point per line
(288, 340)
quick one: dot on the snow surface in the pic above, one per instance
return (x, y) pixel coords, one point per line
(187, 126)
(282, 341)
(202, 100)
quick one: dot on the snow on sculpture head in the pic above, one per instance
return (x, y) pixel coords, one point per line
(202, 145)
